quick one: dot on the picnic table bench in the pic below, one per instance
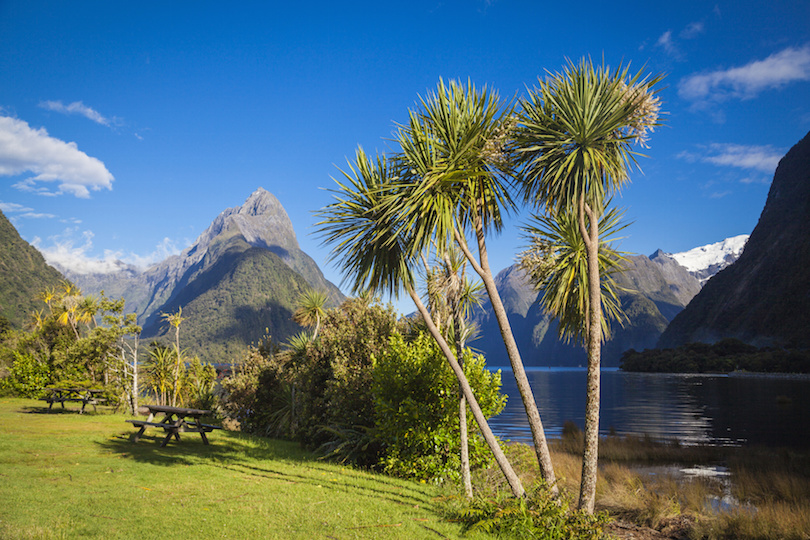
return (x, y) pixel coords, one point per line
(84, 395)
(175, 420)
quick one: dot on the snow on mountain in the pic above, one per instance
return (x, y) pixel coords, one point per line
(705, 261)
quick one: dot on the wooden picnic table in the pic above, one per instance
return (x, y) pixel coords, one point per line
(175, 420)
(83, 395)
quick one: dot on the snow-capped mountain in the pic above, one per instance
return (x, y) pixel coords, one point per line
(705, 261)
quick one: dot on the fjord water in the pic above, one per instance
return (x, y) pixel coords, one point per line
(694, 409)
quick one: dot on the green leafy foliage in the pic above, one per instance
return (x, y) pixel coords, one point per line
(73, 338)
(538, 516)
(556, 264)
(196, 380)
(27, 377)
(242, 401)
(416, 402)
(363, 393)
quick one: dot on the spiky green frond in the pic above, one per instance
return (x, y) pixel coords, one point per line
(576, 133)
(556, 263)
(366, 233)
(453, 163)
(310, 308)
(297, 345)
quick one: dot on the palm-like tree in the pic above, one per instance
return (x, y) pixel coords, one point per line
(377, 254)
(159, 372)
(575, 141)
(48, 296)
(175, 320)
(455, 167)
(70, 312)
(311, 310)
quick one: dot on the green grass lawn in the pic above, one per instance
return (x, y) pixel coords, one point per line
(65, 475)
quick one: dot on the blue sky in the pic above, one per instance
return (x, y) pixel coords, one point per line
(125, 128)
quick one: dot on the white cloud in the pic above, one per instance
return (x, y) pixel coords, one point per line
(13, 207)
(666, 41)
(37, 215)
(762, 159)
(754, 180)
(77, 107)
(27, 150)
(72, 249)
(692, 30)
(166, 248)
(744, 82)
(759, 158)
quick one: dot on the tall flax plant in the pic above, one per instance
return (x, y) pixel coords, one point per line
(575, 145)
(454, 169)
(378, 255)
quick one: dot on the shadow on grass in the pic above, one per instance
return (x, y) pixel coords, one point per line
(59, 410)
(265, 459)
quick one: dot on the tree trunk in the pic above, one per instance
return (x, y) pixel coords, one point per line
(466, 479)
(529, 404)
(176, 382)
(454, 295)
(489, 437)
(590, 456)
(135, 390)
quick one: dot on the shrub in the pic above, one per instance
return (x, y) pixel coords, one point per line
(28, 376)
(537, 516)
(416, 405)
(241, 401)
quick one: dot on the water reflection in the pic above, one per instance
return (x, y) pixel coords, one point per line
(709, 409)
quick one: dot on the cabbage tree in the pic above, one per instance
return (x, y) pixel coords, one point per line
(378, 254)
(575, 141)
(455, 170)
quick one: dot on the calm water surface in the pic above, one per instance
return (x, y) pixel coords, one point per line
(710, 409)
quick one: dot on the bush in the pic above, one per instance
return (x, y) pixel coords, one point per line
(28, 376)
(241, 400)
(362, 393)
(537, 516)
(416, 405)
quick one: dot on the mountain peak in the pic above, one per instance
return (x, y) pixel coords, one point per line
(261, 202)
(705, 261)
(261, 220)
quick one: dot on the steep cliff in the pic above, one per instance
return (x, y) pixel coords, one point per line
(764, 297)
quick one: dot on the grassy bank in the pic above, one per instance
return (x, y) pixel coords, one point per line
(64, 475)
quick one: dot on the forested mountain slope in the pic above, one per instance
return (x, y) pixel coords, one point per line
(24, 275)
(654, 290)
